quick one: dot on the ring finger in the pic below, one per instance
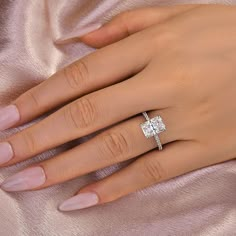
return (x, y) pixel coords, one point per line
(119, 143)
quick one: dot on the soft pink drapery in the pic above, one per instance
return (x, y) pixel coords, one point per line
(199, 203)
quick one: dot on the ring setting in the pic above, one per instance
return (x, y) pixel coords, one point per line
(152, 127)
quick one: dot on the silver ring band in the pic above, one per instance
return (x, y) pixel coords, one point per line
(152, 127)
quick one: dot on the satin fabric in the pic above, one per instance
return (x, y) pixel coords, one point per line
(199, 203)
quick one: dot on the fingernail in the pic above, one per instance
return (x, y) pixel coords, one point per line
(79, 33)
(9, 115)
(27, 179)
(6, 152)
(79, 201)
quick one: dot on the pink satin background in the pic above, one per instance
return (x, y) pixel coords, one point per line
(202, 202)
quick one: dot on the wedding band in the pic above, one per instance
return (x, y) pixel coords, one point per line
(152, 127)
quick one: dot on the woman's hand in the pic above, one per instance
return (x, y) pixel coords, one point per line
(177, 62)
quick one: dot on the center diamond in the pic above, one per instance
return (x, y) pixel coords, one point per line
(153, 126)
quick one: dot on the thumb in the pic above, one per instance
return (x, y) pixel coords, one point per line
(130, 22)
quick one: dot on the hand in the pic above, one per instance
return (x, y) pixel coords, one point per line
(177, 62)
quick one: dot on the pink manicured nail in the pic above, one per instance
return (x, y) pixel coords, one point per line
(9, 115)
(79, 201)
(27, 179)
(6, 152)
(79, 33)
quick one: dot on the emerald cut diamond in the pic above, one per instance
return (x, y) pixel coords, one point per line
(153, 127)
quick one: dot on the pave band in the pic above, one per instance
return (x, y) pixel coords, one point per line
(152, 127)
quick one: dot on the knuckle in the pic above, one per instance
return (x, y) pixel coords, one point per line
(77, 74)
(31, 96)
(164, 37)
(30, 141)
(86, 111)
(115, 146)
(81, 114)
(153, 170)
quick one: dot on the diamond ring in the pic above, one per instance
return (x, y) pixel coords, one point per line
(152, 127)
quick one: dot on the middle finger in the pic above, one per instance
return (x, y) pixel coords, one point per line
(85, 115)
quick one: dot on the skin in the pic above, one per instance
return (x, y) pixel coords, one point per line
(177, 62)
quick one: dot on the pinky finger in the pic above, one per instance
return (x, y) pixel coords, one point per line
(177, 158)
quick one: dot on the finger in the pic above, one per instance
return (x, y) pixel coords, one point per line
(117, 144)
(177, 158)
(95, 71)
(85, 116)
(130, 22)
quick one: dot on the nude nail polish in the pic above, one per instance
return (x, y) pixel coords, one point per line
(80, 201)
(25, 180)
(78, 33)
(6, 152)
(9, 115)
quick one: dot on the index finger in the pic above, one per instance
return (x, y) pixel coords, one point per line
(95, 71)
